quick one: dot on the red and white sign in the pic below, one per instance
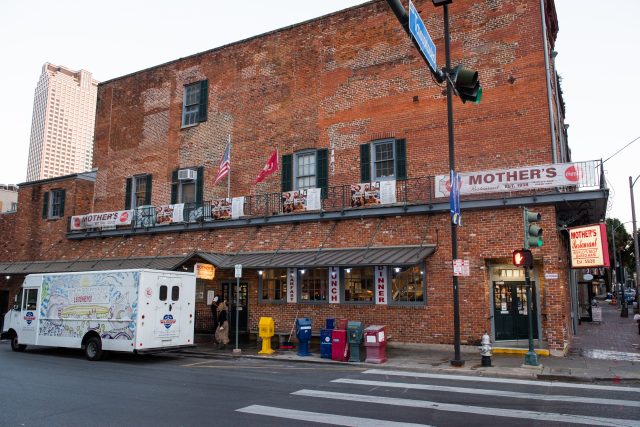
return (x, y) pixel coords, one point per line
(292, 285)
(520, 179)
(334, 285)
(380, 284)
(461, 267)
(589, 246)
(104, 219)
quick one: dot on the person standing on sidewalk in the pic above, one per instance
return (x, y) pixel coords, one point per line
(214, 315)
(222, 333)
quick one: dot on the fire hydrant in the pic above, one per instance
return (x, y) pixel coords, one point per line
(485, 349)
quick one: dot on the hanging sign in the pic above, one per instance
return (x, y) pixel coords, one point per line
(104, 219)
(589, 246)
(204, 271)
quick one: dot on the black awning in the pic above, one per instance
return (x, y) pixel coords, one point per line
(59, 266)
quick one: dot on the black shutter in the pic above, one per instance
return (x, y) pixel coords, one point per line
(199, 186)
(62, 197)
(204, 101)
(287, 172)
(45, 205)
(365, 163)
(147, 195)
(127, 194)
(322, 172)
(401, 159)
(174, 187)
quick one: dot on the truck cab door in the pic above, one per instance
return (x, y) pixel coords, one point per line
(26, 320)
(168, 308)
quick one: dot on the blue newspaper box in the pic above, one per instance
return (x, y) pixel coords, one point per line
(330, 323)
(325, 343)
(303, 332)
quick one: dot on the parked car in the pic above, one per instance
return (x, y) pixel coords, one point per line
(629, 295)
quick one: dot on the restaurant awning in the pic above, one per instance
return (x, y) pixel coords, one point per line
(59, 266)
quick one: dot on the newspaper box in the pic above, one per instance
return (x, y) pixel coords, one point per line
(339, 347)
(375, 343)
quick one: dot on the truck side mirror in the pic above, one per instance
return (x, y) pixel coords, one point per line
(16, 306)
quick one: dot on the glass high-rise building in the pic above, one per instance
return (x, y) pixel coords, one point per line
(64, 110)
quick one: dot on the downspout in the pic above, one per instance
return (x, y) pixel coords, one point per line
(556, 80)
(548, 78)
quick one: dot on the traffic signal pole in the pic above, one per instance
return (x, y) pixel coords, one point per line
(457, 359)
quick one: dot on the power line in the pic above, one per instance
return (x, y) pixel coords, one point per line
(637, 138)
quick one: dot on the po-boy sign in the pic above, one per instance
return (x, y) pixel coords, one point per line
(589, 246)
(520, 179)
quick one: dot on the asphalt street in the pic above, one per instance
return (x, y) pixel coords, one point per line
(57, 387)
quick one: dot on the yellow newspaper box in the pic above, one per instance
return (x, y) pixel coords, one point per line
(266, 331)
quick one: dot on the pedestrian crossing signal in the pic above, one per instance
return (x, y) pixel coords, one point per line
(523, 258)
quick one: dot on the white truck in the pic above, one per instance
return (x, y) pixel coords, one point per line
(139, 311)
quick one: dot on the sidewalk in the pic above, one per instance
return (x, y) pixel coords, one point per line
(604, 352)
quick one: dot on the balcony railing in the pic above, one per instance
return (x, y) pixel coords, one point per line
(414, 191)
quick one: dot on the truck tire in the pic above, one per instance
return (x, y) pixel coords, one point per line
(93, 349)
(15, 345)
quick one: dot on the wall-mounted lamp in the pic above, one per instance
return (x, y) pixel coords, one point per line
(302, 271)
(7, 277)
(397, 269)
(348, 270)
(260, 272)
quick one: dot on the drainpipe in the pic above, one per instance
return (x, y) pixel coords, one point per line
(556, 80)
(548, 78)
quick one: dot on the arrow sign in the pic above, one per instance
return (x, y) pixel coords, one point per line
(420, 33)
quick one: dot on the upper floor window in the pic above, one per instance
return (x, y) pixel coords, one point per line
(53, 204)
(383, 160)
(194, 103)
(306, 169)
(138, 191)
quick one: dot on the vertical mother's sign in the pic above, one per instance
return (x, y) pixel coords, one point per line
(589, 246)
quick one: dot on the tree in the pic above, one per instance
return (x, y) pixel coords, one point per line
(624, 245)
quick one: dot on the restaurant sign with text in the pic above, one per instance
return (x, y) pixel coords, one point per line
(589, 246)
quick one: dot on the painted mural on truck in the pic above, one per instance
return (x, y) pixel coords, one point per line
(74, 304)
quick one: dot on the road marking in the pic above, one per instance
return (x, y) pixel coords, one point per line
(502, 380)
(209, 365)
(497, 393)
(321, 418)
(478, 410)
(611, 355)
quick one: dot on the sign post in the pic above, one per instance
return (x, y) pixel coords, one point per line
(238, 276)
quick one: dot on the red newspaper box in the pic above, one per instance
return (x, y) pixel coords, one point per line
(339, 347)
(375, 343)
(341, 324)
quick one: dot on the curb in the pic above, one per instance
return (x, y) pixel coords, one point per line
(520, 351)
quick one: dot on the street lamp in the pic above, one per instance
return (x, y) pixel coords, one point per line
(615, 260)
(625, 311)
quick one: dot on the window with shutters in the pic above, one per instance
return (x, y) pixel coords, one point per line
(54, 204)
(383, 160)
(194, 103)
(138, 191)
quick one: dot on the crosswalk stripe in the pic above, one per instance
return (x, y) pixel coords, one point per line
(318, 417)
(502, 380)
(478, 410)
(497, 393)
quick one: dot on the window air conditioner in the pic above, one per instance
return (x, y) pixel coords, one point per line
(186, 174)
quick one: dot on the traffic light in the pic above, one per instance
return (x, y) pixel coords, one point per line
(466, 84)
(523, 258)
(532, 232)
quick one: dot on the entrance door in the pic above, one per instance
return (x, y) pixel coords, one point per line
(4, 306)
(510, 310)
(229, 292)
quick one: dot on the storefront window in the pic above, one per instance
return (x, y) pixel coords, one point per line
(358, 284)
(273, 285)
(313, 284)
(407, 284)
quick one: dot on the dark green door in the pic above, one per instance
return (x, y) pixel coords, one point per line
(510, 311)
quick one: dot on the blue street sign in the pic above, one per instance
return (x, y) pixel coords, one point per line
(455, 182)
(420, 33)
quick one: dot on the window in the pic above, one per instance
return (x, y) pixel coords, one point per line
(408, 284)
(273, 285)
(138, 191)
(194, 103)
(188, 191)
(30, 301)
(162, 295)
(305, 170)
(175, 293)
(313, 284)
(358, 284)
(383, 160)
(53, 204)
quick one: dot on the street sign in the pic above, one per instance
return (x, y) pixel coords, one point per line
(238, 271)
(461, 267)
(422, 37)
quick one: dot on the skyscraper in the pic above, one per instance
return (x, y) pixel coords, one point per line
(64, 110)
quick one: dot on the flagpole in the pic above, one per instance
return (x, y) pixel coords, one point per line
(229, 173)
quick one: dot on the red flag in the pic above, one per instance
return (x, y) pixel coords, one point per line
(269, 168)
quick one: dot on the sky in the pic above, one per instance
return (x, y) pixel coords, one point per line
(597, 60)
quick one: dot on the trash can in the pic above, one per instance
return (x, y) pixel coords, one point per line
(355, 335)
(339, 347)
(375, 343)
(325, 343)
(266, 328)
(303, 332)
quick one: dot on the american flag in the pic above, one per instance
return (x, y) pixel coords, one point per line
(225, 164)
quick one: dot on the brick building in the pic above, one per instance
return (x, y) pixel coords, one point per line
(347, 102)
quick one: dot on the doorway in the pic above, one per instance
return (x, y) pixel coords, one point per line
(4, 306)
(511, 320)
(229, 292)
